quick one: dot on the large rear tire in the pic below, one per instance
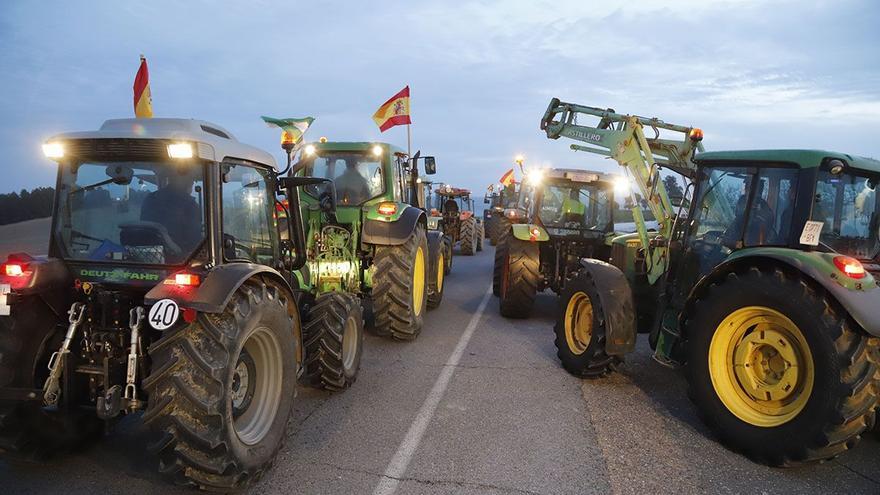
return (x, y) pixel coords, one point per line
(481, 234)
(468, 236)
(333, 334)
(581, 329)
(221, 390)
(28, 431)
(519, 278)
(492, 229)
(777, 370)
(400, 286)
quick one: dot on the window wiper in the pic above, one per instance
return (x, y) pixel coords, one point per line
(92, 186)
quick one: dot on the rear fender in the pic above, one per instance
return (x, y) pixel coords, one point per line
(216, 289)
(395, 231)
(617, 302)
(530, 232)
(860, 298)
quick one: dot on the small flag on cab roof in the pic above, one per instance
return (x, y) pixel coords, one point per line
(292, 130)
(143, 100)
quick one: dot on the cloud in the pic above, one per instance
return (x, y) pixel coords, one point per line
(752, 73)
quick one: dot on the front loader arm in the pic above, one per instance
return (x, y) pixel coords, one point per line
(622, 138)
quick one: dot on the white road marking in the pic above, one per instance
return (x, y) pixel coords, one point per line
(397, 467)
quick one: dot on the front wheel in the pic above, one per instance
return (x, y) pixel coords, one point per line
(581, 329)
(519, 278)
(776, 370)
(221, 390)
(333, 335)
(481, 234)
(468, 236)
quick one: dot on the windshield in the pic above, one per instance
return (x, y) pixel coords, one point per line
(575, 206)
(356, 176)
(143, 212)
(847, 206)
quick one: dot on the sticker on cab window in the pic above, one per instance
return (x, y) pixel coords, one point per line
(812, 231)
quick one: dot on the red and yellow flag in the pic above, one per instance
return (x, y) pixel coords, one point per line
(393, 112)
(508, 178)
(143, 101)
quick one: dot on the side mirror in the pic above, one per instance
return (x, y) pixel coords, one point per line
(327, 197)
(430, 165)
(486, 200)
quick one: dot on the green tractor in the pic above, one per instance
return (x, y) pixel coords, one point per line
(765, 290)
(169, 289)
(460, 222)
(497, 199)
(375, 243)
(563, 215)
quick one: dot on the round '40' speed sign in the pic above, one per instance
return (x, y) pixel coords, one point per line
(163, 314)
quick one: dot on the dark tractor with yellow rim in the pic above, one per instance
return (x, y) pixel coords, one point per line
(169, 289)
(765, 290)
(498, 198)
(563, 215)
(375, 243)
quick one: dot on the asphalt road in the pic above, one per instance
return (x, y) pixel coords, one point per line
(478, 404)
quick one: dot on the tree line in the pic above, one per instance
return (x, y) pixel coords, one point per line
(26, 205)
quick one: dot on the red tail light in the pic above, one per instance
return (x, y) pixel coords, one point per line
(183, 280)
(13, 270)
(387, 209)
(850, 267)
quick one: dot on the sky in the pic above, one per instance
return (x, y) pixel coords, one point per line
(750, 73)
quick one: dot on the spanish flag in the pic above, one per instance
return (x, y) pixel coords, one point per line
(393, 112)
(143, 102)
(508, 178)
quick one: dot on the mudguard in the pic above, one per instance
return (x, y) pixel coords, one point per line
(526, 232)
(394, 232)
(860, 298)
(215, 290)
(616, 298)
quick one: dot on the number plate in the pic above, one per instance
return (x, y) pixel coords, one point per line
(812, 231)
(4, 307)
(163, 315)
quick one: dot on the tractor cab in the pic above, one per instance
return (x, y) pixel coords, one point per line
(146, 200)
(806, 201)
(574, 203)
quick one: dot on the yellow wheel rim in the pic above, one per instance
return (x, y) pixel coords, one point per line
(441, 270)
(761, 366)
(578, 323)
(418, 287)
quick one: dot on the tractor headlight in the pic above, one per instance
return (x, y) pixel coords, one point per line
(180, 151)
(622, 185)
(53, 150)
(535, 176)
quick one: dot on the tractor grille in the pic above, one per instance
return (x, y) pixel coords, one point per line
(117, 149)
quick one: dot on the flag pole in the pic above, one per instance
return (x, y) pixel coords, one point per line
(408, 142)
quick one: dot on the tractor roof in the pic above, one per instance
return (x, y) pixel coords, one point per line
(214, 142)
(579, 175)
(353, 146)
(801, 158)
(452, 191)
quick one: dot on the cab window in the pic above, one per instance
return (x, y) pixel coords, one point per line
(249, 231)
